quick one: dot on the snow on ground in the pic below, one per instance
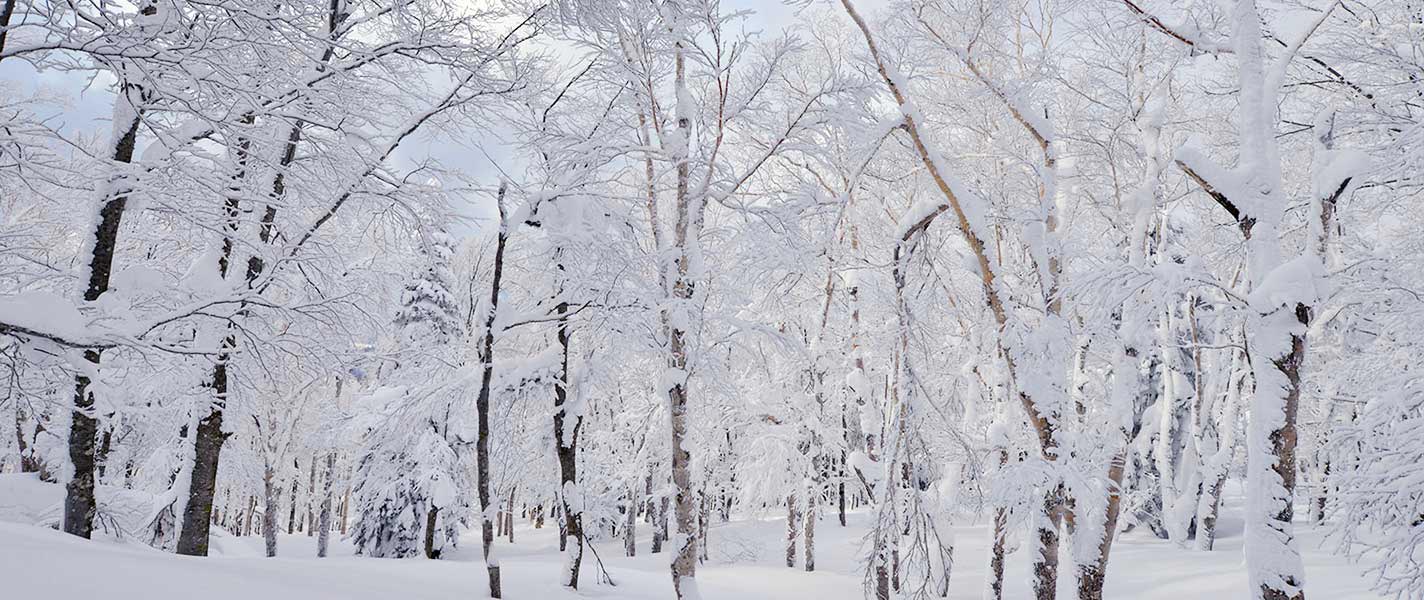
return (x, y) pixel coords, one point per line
(747, 563)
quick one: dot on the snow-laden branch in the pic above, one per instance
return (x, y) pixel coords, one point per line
(1193, 39)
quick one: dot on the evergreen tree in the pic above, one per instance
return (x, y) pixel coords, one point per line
(406, 492)
(428, 316)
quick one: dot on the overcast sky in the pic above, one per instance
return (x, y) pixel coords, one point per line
(85, 103)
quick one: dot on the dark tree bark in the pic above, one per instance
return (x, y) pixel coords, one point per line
(193, 535)
(101, 456)
(311, 497)
(809, 531)
(292, 504)
(5, 14)
(210, 437)
(79, 504)
(482, 403)
(431, 518)
(703, 522)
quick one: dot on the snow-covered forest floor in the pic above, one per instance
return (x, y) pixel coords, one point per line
(746, 562)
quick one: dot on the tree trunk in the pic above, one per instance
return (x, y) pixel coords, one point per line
(311, 498)
(292, 505)
(997, 555)
(30, 459)
(101, 456)
(841, 494)
(247, 517)
(5, 14)
(79, 504)
(1281, 438)
(269, 510)
(793, 521)
(630, 526)
(946, 562)
(1042, 418)
(345, 509)
(193, 535)
(810, 531)
(1093, 575)
(684, 565)
(895, 565)
(566, 432)
(509, 516)
(704, 520)
(1211, 505)
(1219, 464)
(1045, 568)
(563, 532)
(482, 403)
(323, 535)
(431, 518)
(660, 525)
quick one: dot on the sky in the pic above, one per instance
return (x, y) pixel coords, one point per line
(83, 103)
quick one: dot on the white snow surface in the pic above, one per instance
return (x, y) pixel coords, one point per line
(745, 564)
